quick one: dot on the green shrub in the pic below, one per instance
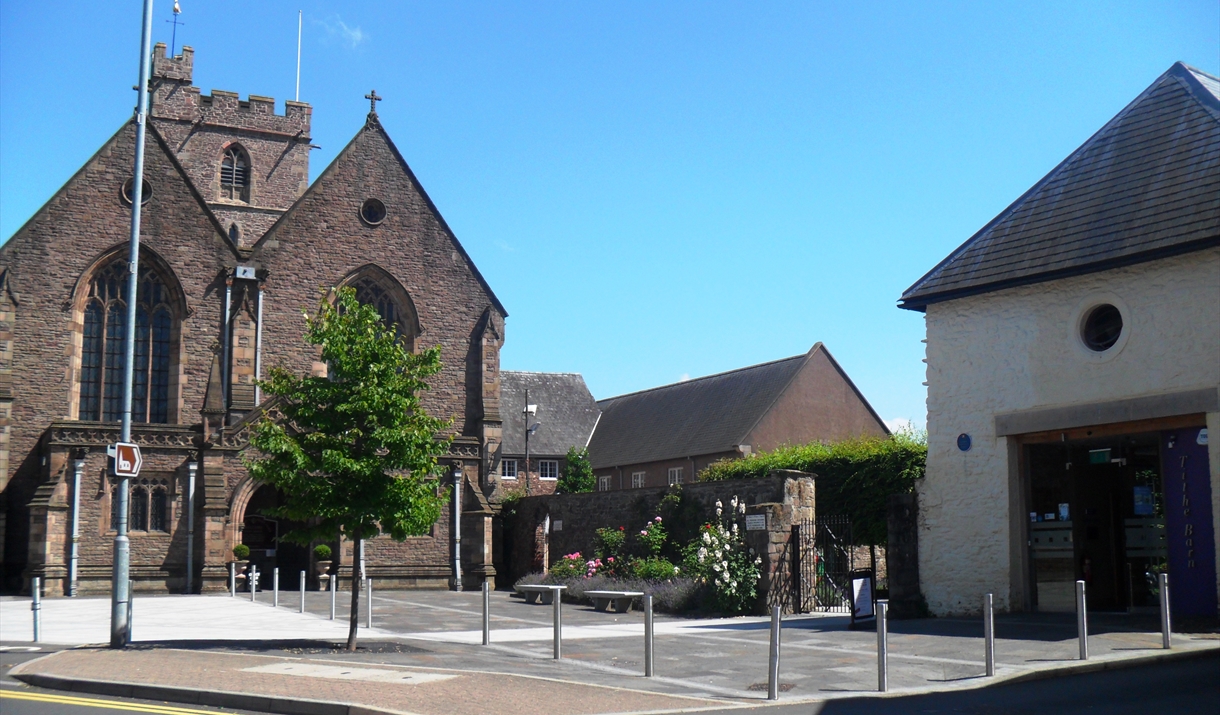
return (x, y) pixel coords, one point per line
(241, 552)
(654, 568)
(652, 537)
(609, 542)
(720, 558)
(855, 477)
(577, 474)
(321, 552)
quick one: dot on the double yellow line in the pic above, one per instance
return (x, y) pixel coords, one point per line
(7, 694)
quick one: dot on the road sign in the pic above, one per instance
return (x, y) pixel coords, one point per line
(127, 459)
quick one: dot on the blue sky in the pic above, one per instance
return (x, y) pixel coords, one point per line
(654, 190)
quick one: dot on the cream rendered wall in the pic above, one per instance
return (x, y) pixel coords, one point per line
(1018, 349)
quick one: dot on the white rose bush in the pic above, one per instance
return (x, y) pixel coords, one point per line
(721, 558)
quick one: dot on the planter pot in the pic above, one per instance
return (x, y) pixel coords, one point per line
(323, 568)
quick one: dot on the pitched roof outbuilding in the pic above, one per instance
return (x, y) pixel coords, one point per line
(1145, 186)
(706, 415)
(566, 410)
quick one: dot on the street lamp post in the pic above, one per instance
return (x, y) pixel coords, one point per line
(120, 575)
(528, 412)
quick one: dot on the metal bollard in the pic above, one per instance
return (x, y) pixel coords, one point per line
(368, 606)
(253, 583)
(557, 600)
(302, 592)
(773, 661)
(233, 579)
(333, 585)
(1082, 621)
(275, 587)
(1165, 624)
(883, 631)
(36, 606)
(648, 631)
(486, 613)
(989, 634)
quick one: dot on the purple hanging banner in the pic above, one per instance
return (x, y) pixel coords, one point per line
(1188, 522)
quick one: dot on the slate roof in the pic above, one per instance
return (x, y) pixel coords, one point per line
(705, 415)
(566, 410)
(1145, 186)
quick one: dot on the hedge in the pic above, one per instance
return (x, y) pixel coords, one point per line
(854, 477)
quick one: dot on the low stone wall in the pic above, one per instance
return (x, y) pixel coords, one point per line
(784, 499)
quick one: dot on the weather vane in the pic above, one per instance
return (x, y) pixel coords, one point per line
(173, 43)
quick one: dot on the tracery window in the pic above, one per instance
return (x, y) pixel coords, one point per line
(235, 175)
(147, 505)
(103, 346)
(370, 292)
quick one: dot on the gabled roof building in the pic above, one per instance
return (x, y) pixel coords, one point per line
(1073, 352)
(665, 435)
(565, 416)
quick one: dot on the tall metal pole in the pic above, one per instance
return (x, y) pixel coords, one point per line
(120, 574)
(527, 442)
(883, 653)
(1163, 582)
(78, 467)
(486, 613)
(773, 659)
(648, 633)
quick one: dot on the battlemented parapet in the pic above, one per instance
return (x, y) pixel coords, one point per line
(203, 129)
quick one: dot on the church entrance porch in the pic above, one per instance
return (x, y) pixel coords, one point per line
(1116, 510)
(261, 531)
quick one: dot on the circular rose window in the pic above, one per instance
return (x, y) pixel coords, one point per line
(145, 193)
(1102, 328)
(372, 211)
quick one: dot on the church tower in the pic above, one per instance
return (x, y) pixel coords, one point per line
(249, 163)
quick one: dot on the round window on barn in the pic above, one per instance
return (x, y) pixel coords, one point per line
(1102, 328)
(372, 211)
(145, 193)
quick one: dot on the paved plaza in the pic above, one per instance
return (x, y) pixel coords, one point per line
(424, 653)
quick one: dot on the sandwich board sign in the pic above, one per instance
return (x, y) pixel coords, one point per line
(862, 596)
(127, 459)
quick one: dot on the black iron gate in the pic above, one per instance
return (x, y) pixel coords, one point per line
(822, 557)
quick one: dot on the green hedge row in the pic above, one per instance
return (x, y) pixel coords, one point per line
(855, 477)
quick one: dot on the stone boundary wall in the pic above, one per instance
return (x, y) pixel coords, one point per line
(784, 498)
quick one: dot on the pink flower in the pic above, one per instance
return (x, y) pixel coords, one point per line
(644, 533)
(658, 520)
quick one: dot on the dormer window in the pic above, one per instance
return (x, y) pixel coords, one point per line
(235, 175)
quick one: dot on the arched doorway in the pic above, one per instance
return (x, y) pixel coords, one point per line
(261, 532)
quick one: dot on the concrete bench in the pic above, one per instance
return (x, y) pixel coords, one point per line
(619, 600)
(539, 593)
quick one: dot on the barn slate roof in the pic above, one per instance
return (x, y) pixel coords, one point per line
(706, 415)
(566, 410)
(1145, 186)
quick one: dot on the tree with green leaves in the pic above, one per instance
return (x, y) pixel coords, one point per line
(577, 475)
(354, 455)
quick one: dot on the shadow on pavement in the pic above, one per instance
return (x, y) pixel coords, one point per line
(296, 646)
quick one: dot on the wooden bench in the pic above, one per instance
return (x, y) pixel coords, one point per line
(539, 592)
(619, 600)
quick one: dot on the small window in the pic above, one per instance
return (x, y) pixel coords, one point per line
(675, 475)
(372, 211)
(1102, 328)
(508, 468)
(603, 483)
(548, 469)
(234, 233)
(145, 192)
(637, 480)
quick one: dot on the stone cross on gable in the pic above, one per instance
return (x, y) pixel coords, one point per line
(373, 100)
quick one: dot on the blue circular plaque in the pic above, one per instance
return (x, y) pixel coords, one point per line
(963, 442)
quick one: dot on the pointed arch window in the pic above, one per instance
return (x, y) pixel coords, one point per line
(235, 174)
(103, 346)
(376, 288)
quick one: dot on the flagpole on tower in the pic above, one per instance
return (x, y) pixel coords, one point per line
(119, 587)
(297, 97)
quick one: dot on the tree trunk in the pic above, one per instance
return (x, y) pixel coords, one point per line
(355, 615)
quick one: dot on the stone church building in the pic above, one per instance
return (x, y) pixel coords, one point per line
(236, 244)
